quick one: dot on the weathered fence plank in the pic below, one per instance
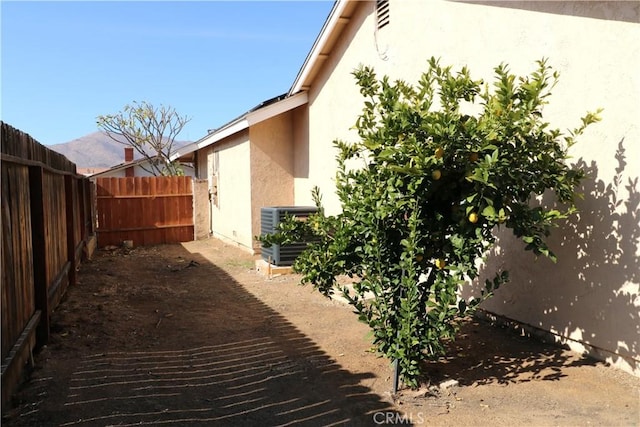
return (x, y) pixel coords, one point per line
(56, 236)
(73, 232)
(39, 250)
(17, 257)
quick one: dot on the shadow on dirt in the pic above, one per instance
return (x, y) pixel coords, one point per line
(485, 353)
(220, 356)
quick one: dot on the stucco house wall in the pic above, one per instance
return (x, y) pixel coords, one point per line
(231, 215)
(301, 161)
(591, 298)
(201, 207)
(271, 166)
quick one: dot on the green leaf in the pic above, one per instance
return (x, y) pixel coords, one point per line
(489, 212)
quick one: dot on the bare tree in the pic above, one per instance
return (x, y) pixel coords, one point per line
(150, 130)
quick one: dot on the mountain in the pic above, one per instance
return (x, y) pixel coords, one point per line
(97, 150)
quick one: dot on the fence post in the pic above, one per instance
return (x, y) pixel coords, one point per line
(93, 201)
(71, 235)
(82, 204)
(39, 247)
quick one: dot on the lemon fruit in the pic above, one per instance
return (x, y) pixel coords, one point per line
(436, 174)
(473, 217)
(440, 263)
(439, 153)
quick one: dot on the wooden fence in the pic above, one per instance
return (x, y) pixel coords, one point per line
(47, 219)
(145, 210)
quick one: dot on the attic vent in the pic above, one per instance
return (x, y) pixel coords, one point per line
(270, 217)
(382, 10)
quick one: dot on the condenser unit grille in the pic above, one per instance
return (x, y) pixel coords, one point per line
(270, 217)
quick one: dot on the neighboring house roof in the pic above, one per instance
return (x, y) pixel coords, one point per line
(120, 167)
(257, 114)
(90, 171)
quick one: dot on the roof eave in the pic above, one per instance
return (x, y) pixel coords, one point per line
(259, 114)
(316, 54)
(276, 108)
(229, 129)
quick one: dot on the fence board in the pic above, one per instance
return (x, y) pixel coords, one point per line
(17, 258)
(39, 250)
(146, 210)
(55, 214)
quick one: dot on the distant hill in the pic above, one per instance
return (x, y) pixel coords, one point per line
(97, 150)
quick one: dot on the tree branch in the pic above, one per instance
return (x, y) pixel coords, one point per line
(147, 129)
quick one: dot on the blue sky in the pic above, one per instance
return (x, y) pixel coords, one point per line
(64, 63)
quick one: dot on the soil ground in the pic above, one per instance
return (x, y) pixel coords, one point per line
(192, 335)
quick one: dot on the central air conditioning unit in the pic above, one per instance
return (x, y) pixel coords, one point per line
(270, 217)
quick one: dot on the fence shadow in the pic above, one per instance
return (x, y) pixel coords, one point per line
(255, 368)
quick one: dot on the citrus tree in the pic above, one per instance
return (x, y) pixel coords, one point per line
(439, 167)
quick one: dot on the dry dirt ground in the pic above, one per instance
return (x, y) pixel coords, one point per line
(192, 335)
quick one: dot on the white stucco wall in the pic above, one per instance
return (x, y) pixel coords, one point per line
(231, 218)
(593, 294)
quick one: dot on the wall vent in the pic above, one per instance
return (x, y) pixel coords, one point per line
(270, 217)
(382, 12)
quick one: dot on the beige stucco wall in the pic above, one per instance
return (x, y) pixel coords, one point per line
(271, 166)
(593, 294)
(231, 218)
(301, 182)
(201, 209)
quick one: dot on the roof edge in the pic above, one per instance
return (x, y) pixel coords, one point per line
(311, 59)
(264, 111)
(277, 108)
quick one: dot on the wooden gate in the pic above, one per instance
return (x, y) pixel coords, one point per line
(145, 210)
